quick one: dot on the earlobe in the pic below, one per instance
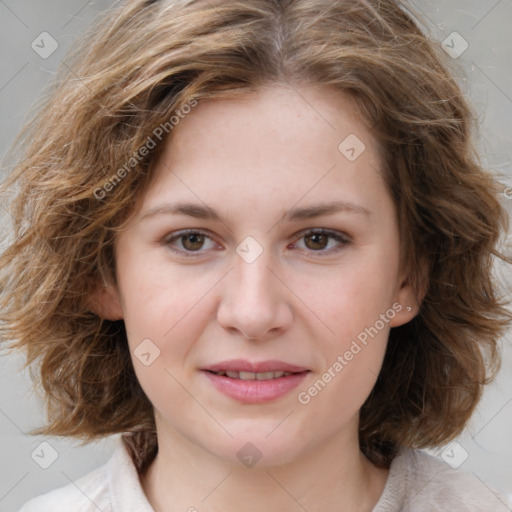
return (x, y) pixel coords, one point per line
(410, 303)
(105, 302)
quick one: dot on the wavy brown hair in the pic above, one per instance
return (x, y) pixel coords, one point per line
(142, 65)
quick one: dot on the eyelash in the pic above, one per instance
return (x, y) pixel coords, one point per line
(343, 239)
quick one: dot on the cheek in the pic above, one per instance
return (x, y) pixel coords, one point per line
(163, 318)
(165, 305)
(353, 296)
(154, 295)
(356, 314)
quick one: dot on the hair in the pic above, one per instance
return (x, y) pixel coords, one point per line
(147, 61)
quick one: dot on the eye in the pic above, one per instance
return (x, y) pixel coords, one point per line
(193, 242)
(317, 240)
(190, 241)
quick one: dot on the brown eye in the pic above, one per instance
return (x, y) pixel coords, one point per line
(189, 243)
(193, 241)
(318, 241)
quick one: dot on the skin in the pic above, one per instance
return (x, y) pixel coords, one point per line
(303, 301)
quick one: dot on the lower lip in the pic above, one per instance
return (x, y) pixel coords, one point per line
(255, 391)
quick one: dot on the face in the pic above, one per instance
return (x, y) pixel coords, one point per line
(266, 242)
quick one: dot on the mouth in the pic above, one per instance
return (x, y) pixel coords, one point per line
(254, 383)
(249, 367)
(253, 375)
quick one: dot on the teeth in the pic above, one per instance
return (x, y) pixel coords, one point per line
(254, 376)
(246, 375)
(265, 375)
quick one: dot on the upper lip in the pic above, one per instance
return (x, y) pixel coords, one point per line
(242, 365)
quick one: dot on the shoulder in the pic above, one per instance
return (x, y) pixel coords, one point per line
(421, 482)
(113, 487)
(87, 494)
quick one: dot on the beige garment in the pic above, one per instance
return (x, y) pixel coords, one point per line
(417, 482)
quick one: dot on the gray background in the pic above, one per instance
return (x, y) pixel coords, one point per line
(484, 73)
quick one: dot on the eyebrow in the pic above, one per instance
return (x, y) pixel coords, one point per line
(200, 211)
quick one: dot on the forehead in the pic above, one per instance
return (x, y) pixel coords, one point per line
(276, 144)
(291, 112)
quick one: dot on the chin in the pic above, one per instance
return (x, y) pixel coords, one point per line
(258, 450)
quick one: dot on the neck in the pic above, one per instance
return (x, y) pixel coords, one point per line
(333, 476)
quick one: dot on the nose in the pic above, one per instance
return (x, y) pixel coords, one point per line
(254, 301)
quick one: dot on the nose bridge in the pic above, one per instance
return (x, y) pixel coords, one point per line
(252, 301)
(253, 280)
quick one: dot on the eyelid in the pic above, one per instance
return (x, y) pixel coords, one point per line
(325, 231)
(176, 235)
(342, 238)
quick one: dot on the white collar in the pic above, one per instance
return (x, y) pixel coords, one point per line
(126, 493)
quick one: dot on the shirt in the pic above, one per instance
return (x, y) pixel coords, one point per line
(417, 482)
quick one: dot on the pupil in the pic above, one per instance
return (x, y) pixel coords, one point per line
(315, 237)
(197, 241)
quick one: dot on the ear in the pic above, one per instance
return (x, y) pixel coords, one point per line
(105, 302)
(409, 300)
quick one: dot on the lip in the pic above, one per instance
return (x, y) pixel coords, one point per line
(255, 391)
(242, 365)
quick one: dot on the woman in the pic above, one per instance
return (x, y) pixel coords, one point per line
(258, 245)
